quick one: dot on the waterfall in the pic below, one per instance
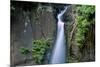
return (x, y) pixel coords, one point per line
(58, 55)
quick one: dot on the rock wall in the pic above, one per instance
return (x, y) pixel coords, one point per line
(29, 21)
(21, 34)
(43, 22)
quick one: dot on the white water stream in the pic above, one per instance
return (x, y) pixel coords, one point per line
(59, 54)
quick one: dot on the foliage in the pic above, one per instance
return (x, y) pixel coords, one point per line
(86, 11)
(38, 50)
(85, 17)
(24, 51)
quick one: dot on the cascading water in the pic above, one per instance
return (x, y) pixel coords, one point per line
(58, 55)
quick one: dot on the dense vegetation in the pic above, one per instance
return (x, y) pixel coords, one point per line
(83, 38)
(85, 18)
(38, 50)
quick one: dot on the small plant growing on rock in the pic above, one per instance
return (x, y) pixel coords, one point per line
(25, 52)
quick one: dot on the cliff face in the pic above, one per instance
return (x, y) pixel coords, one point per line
(70, 27)
(21, 34)
(43, 22)
(88, 48)
(44, 27)
(27, 24)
